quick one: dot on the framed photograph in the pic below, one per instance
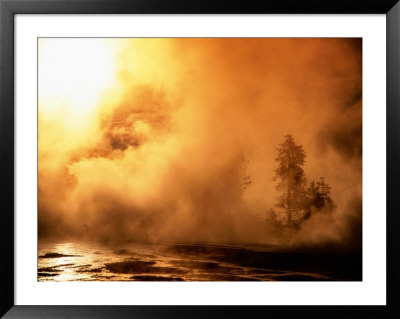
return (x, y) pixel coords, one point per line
(182, 159)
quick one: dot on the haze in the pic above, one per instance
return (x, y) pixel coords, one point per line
(146, 140)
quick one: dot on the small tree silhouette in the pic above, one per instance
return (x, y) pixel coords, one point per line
(318, 195)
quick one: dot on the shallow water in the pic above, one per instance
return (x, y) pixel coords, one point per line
(150, 262)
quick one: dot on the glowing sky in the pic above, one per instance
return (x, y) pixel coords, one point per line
(143, 138)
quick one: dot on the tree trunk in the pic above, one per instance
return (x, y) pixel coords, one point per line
(289, 205)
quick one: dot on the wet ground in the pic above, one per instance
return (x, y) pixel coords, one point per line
(178, 262)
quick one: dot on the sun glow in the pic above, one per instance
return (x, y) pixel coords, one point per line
(73, 73)
(175, 140)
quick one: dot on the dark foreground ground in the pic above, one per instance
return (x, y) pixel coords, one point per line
(178, 262)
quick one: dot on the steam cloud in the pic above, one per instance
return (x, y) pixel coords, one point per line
(162, 158)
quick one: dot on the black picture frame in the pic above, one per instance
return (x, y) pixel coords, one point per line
(8, 8)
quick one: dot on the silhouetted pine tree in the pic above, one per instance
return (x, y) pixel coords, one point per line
(290, 177)
(295, 201)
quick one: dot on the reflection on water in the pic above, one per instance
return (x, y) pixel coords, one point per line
(149, 262)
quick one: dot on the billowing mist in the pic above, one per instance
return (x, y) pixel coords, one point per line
(179, 145)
